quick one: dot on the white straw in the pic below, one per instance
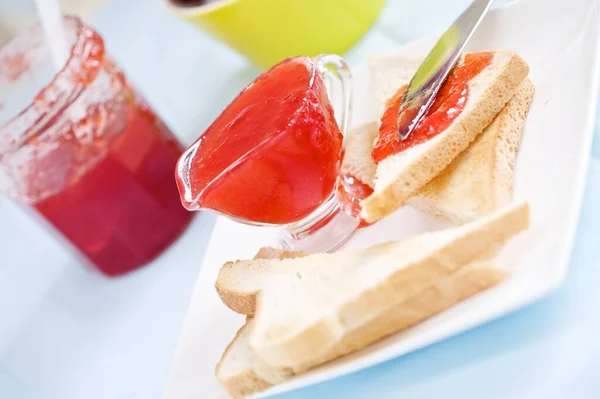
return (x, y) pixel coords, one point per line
(51, 20)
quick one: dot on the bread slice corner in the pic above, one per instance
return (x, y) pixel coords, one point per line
(480, 179)
(235, 369)
(238, 287)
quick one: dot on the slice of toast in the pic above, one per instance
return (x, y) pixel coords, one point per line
(313, 309)
(242, 373)
(480, 179)
(400, 176)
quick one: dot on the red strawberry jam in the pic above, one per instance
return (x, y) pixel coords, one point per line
(450, 101)
(272, 155)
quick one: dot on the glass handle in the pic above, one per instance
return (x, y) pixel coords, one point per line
(333, 66)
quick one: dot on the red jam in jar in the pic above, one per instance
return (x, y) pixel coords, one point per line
(91, 157)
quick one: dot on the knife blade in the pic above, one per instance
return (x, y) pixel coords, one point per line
(434, 70)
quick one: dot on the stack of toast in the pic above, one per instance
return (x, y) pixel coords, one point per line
(464, 172)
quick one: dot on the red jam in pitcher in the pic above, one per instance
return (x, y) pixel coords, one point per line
(89, 156)
(272, 155)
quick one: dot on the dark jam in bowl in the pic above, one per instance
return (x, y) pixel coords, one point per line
(192, 3)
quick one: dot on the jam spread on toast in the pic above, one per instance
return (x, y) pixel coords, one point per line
(450, 101)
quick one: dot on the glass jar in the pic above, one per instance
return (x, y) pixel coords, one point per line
(83, 149)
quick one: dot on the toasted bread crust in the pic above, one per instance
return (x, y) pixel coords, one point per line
(245, 383)
(245, 302)
(239, 302)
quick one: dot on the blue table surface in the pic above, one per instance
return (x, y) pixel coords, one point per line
(548, 350)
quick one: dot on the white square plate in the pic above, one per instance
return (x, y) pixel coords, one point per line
(559, 40)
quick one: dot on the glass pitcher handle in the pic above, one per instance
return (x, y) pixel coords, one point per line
(331, 67)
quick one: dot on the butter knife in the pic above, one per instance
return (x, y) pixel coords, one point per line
(434, 70)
